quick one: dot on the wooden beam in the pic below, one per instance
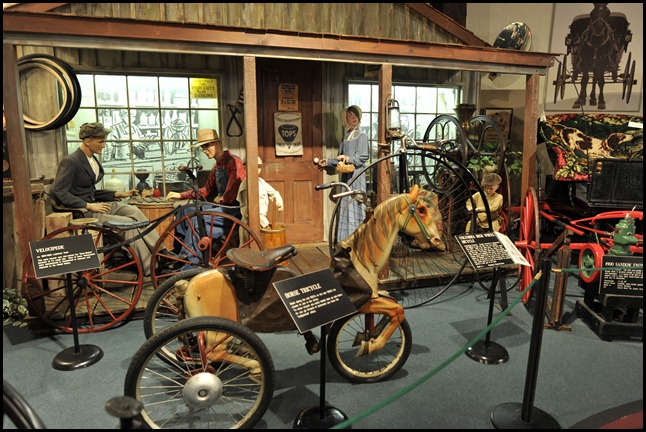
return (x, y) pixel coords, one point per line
(136, 35)
(530, 132)
(24, 208)
(447, 23)
(251, 141)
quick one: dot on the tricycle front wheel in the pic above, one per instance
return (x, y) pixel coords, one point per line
(347, 348)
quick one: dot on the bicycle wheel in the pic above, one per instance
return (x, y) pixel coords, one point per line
(414, 276)
(211, 248)
(103, 297)
(221, 376)
(161, 308)
(18, 410)
(349, 335)
(529, 240)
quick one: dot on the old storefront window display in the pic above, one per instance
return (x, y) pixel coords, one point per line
(154, 119)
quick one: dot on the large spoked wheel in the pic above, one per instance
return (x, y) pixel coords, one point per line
(348, 343)
(415, 276)
(162, 307)
(103, 297)
(221, 376)
(201, 249)
(528, 242)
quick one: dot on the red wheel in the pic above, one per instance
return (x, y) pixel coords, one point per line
(591, 256)
(528, 242)
(103, 297)
(210, 252)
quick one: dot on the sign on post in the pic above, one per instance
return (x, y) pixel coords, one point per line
(491, 249)
(621, 280)
(314, 299)
(63, 255)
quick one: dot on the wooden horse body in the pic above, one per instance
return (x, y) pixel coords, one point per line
(212, 293)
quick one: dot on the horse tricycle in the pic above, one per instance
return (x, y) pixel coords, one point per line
(210, 369)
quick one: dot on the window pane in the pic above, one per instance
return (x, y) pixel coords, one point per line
(110, 90)
(87, 97)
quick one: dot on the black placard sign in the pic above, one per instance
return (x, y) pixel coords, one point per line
(63, 255)
(314, 299)
(484, 250)
(625, 281)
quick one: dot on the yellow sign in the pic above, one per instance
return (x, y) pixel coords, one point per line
(202, 88)
(287, 97)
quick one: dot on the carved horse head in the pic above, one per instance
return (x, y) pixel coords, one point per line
(415, 213)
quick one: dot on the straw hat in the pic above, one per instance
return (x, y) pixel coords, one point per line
(205, 136)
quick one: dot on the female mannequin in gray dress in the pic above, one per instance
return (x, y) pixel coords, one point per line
(354, 150)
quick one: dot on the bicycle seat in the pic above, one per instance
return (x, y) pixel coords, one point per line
(260, 260)
(125, 226)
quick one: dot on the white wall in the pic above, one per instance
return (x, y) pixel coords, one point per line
(486, 20)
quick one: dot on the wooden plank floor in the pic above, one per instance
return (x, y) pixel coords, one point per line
(406, 266)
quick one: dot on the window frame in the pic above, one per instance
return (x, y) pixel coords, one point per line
(146, 122)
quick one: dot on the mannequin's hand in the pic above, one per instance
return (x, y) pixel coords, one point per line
(217, 200)
(172, 196)
(126, 194)
(99, 207)
(343, 158)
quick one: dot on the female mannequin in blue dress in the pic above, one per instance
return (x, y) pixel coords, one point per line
(353, 151)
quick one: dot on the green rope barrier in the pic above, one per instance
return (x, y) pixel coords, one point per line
(448, 361)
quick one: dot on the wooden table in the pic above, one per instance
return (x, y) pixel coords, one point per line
(154, 209)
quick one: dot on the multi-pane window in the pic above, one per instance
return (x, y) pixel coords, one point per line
(418, 106)
(153, 119)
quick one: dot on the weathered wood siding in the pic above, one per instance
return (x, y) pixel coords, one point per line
(381, 20)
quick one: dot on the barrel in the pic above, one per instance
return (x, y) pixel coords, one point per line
(272, 238)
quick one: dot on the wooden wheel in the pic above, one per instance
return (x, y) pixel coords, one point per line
(200, 249)
(103, 297)
(528, 242)
(560, 79)
(630, 81)
(626, 76)
(591, 256)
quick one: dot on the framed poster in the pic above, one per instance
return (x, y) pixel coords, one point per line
(502, 117)
(605, 38)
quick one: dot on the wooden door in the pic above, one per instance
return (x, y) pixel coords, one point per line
(293, 176)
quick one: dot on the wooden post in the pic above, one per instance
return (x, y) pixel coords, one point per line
(16, 145)
(251, 142)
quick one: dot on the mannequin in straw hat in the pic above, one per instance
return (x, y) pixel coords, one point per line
(490, 184)
(226, 175)
(223, 182)
(354, 152)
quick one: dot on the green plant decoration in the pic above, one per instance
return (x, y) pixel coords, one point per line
(513, 159)
(14, 308)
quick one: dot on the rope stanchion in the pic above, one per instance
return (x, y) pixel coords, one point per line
(444, 364)
(513, 415)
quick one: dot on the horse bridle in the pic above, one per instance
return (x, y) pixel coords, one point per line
(412, 211)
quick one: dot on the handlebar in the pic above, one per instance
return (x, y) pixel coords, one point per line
(189, 171)
(349, 191)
